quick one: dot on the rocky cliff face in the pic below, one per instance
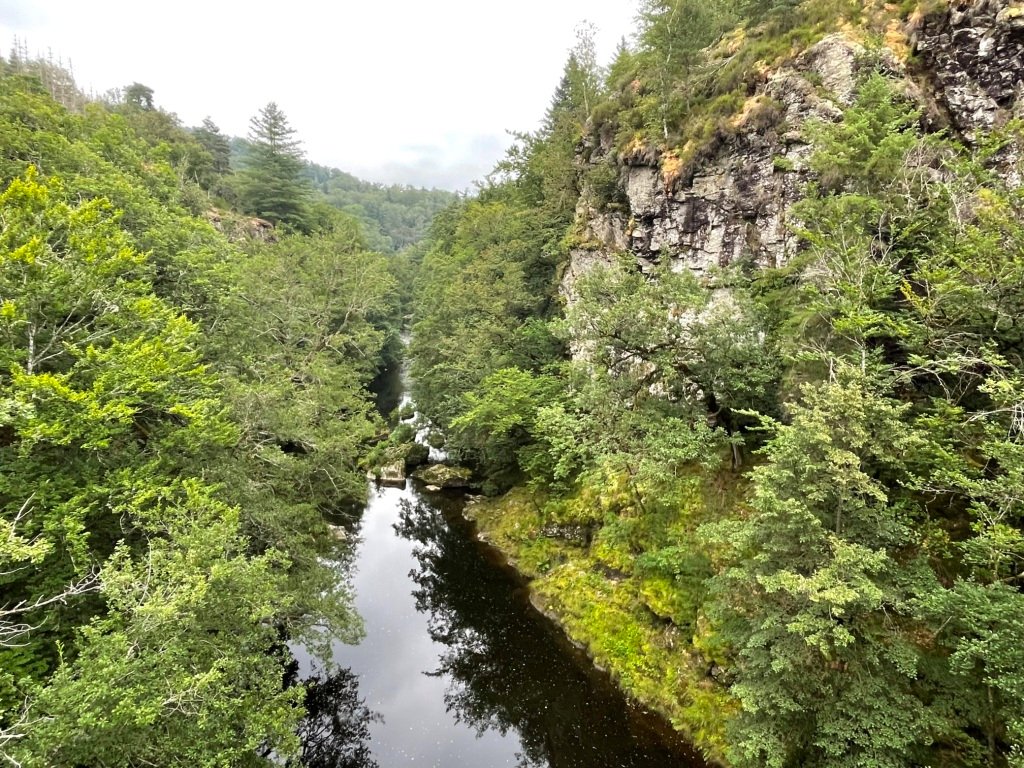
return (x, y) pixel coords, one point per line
(974, 57)
(736, 203)
(241, 228)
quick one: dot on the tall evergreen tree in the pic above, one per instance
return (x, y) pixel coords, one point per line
(139, 96)
(271, 184)
(216, 143)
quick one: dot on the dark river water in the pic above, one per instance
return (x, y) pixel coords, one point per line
(457, 669)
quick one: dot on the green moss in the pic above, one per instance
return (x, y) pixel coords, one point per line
(714, 95)
(633, 597)
(612, 546)
(783, 164)
(662, 597)
(650, 660)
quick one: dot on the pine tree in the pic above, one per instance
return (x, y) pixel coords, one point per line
(139, 96)
(271, 184)
(216, 143)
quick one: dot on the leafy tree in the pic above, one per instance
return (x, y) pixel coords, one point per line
(499, 419)
(152, 556)
(110, 416)
(178, 672)
(315, 315)
(672, 35)
(815, 595)
(583, 75)
(665, 335)
(889, 246)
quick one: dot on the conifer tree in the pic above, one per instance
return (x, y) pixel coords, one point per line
(216, 143)
(271, 184)
(139, 96)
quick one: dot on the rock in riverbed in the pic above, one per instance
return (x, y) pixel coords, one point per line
(392, 474)
(443, 476)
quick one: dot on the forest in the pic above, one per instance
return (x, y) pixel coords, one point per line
(184, 403)
(772, 480)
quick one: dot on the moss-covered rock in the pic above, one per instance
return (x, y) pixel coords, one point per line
(416, 454)
(409, 454)
(444, 476)
(392, 474)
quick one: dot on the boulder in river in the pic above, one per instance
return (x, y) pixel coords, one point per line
(444, 476)
(416, 454)
(392, 474)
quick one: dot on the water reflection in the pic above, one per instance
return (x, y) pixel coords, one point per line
(336, 730)
(507, 670)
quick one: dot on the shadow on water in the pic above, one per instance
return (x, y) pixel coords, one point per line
(336, 730)
(508, 669)
(387, 386)
(457, 668)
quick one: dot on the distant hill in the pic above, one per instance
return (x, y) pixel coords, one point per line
(401, 212)
(395, 216)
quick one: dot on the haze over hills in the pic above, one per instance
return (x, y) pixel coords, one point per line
(425, 99)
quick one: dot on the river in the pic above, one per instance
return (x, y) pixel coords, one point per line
(457, 668)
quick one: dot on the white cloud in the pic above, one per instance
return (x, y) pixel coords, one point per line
(371, 88)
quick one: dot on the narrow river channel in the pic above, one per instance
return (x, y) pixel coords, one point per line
(457, 668)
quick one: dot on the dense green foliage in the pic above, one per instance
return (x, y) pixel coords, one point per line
(783, 505)
(810, 474)
(177, 414)
(396, 216)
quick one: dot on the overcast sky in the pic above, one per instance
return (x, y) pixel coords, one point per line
(394, 90)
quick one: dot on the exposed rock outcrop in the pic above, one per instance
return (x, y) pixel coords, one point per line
(392, 475)
(237, 227)
(734, 201)
(974, 55)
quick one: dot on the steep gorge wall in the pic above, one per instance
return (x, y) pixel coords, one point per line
(974, 58)
(968, 72)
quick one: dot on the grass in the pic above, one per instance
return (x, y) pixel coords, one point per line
(709, 106)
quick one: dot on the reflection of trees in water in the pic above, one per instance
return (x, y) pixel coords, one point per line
(505, 668)
(457, 591)
(335, 733)
(336, 730)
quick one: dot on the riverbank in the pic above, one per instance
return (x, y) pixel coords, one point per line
(626, 620)
(457, 668)
(623, 649)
